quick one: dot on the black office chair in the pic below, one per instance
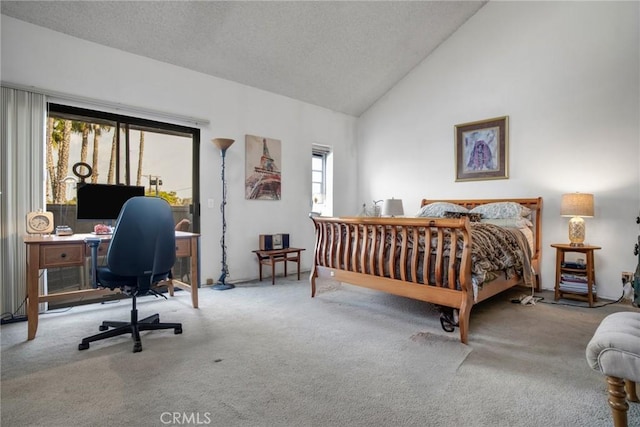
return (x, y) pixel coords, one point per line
(141, 253)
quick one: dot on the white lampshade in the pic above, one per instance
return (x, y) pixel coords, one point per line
(577, 204)
(392, 207)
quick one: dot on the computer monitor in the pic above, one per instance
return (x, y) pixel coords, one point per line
(103, 201)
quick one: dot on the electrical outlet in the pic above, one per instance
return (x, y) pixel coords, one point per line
(210, 203)
(627, 277)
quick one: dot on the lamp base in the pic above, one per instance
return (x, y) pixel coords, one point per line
(576, 231)
(576, 245)
(221, 286)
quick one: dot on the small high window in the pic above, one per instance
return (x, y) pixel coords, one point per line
(321, 182)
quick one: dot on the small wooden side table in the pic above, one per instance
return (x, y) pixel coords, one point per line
(275, 256)
(587, 271)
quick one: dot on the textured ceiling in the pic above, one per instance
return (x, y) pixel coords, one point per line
(340, 55)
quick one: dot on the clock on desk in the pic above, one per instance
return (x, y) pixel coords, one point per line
(39, 222)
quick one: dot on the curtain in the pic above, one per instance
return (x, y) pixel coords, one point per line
(22, 188)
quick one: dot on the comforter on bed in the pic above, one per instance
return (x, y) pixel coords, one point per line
(495, 251)
(499, 249)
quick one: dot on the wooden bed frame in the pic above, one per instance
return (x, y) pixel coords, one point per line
(365, 262)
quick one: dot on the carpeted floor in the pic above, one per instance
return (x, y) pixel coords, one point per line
(262, 355)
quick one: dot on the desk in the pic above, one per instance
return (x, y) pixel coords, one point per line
(50, 251)
(278, 255)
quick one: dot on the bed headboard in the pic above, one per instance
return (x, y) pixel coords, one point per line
(535, 204)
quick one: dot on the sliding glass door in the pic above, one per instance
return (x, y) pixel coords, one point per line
(105, 148)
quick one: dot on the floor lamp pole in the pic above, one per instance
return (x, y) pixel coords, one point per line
(223, 144)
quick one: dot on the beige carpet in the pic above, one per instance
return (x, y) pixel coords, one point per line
(262, 355)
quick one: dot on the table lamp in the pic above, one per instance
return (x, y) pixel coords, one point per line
(577, 206)
(392, 207)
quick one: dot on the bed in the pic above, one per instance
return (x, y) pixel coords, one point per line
(388, 254)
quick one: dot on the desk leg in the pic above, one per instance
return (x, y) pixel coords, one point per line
(194, 273)
(286, 261)
(33, 270)
(298, 257)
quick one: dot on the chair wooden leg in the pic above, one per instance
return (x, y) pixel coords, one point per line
(632, 395)
(618, 401)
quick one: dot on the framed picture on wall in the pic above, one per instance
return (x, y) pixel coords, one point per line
(262, 168)
(482, 149)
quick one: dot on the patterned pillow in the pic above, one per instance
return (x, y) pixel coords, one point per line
(509, 222)
(437, 209)
(473, 217)
(502, 210)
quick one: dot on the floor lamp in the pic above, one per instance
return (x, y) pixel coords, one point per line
(223, 144)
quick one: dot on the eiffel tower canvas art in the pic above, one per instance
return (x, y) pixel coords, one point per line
(262, 169)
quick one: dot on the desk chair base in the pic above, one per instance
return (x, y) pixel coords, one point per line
(133, 327)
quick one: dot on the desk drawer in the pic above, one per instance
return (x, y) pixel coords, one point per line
(183, 248)
(61, 255)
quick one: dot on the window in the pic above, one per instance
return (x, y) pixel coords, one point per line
(120, 150)
(321, 188)
(318, 168)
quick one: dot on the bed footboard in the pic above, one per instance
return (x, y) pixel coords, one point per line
(408, 257)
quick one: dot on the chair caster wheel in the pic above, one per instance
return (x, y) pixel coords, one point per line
(102, 328)
(83, 346)
(137, 347)
(177, 331)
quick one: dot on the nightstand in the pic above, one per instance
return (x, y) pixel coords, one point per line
(271, 257)
(575, 280)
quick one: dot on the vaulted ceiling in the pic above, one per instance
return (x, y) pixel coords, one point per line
(341, 55)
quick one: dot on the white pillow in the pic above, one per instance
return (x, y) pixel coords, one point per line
(437, 209)
(509, 222)
(502, 210)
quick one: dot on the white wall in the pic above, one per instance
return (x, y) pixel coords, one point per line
(567, 75)
(34, 56)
